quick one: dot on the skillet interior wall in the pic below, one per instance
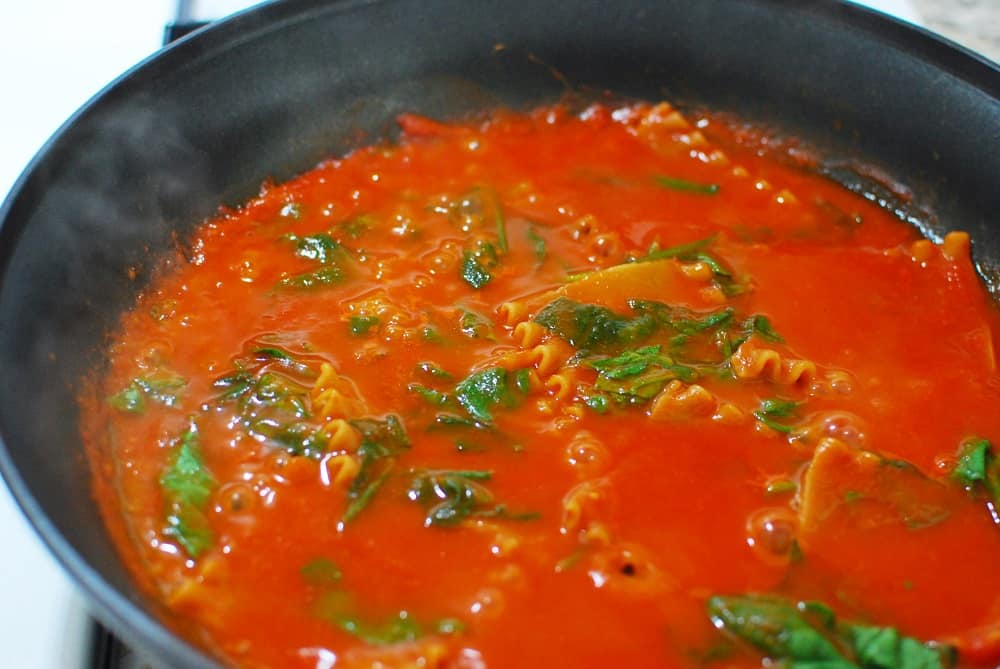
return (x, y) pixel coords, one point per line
(276, 90)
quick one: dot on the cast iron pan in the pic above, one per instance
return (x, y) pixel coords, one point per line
(274, 90)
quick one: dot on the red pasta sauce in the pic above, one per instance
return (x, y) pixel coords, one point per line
(607, 389)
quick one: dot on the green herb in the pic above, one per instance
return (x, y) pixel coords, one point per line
(687, 251)
(501, 223)
(357, 226)
(639, 374)
(129, 399)
(283, 359)
(974, 456)
(449, 420)
(851, 496)
(696, 251)
(320, 572)
(597, 401)
(632, 363)
(320, 247)
(588, 326)
(795, 554)
(381, 441)
(431, 396)
(429, 334)
(324, 250)
(476, 326)
(360, 325)
(807, 635)
(433, 370)
(325, 276)
(776, 628)
(296, 437)
(382, 434)
(522, 381)
(771, 409)
(361, 496)
(979, 471)
(162, 388)
(685, 186)
(538, 243)
(273, 352)
(337, 608)
(187, 486)
(453, 496)
(235, 385)
(481, 391)
(259, 395)
(473, 272)
(760, 325)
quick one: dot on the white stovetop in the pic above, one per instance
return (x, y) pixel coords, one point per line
(54, 57)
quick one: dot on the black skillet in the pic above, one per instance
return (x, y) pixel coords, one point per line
(273, 90)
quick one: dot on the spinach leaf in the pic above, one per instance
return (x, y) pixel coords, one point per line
(129, 399)
(453, 496)
(760, 325)
(324, 250)
(476, 265)
(381, 441)
(273, 406)
(473, 272)
(431, 396)
(475, 325)
(973, 455)
(592, 327)
(187, 485)
(320, 572)
(382, 435)
(978, 470)
(337, 607)
(324, 276)
(450, 420)
(696, 251)
(163, 388)
(807, 635)
(433, 370)
(632, 363)
(639, 374)
(356, 226)
(774, 627)
(321, 247)
(686, 251)
(481, 391)
(362, 495)
(360, 325)
(538, 243)
(771, 409)
(685, 186)
(596, 400)
(501, 223)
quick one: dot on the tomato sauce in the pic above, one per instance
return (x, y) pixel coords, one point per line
(593, 390)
